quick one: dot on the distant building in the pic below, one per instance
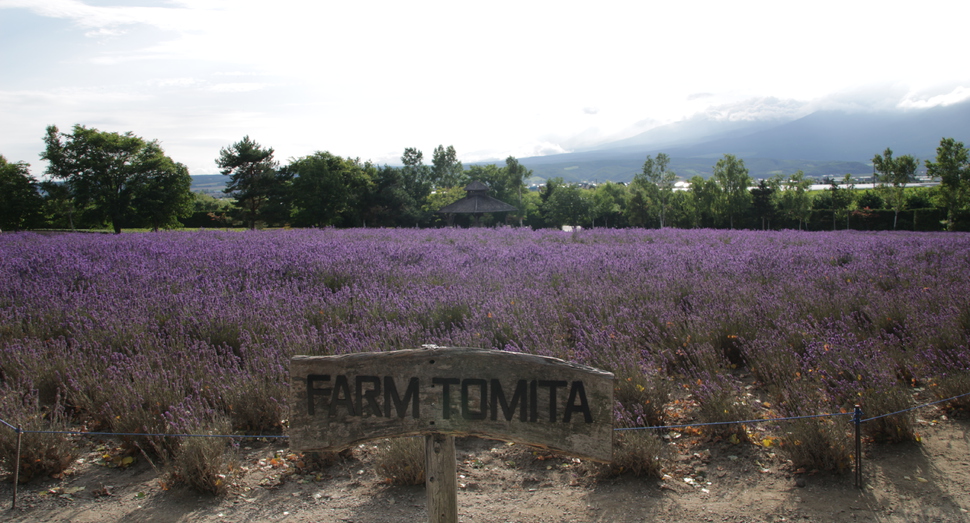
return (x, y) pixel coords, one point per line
(476, 203)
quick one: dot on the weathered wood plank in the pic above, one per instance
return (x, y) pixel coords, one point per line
(441, 478)
(341, 400)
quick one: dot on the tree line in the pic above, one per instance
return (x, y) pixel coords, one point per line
(99, 179)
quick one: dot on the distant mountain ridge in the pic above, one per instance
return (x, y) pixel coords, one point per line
(821, 143)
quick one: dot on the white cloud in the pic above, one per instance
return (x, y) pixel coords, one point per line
(698, 96)
(89, 16)
(876, 96)
(103, 32)
(238, 87)
(543, 149)
(66, 97)
(915, 101)
(758, 109)
(174, 82)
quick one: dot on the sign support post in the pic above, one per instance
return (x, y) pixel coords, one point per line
(441, 478)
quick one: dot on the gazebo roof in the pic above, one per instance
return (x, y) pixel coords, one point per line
(476, 201)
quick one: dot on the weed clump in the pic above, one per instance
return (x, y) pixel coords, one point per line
(641, 397)
(894, 428)
(720, 403)
(635, 452)
(400, 461)
(817, 444)
(41, 454)
(205, 464)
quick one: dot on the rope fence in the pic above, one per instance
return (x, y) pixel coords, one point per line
(916, 407)
(857, 421)
(743, 422)
(149, 435)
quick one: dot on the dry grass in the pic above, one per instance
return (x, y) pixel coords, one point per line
(400, 461)
(205, 464)
(818, 444)
(635, 452)
(41, 454)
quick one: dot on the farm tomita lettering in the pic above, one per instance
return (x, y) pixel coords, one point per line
(552, 401)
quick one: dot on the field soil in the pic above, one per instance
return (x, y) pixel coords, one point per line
(703, 481)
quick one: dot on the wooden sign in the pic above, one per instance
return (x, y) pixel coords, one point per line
(338, 401)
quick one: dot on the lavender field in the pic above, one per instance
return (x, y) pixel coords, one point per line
(191, 332)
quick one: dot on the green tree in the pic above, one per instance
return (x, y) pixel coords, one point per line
(763, 202)
(704, 202)
(207, 209)
(490, 175)
(328, 190)
(416, 179)
(531, 202)
(545, 194)
(252, 173)
(681, 211)
(412, 157)
(20, 203)
(514, 183)
(732, 178)
(394, 200)
(842, 198)
(608, 203)
(202, 202)
(109, 171)
(567, 205)
(870, 200)
(952, 167)
(550, 188)
(446, 170)
(891, 176)
(417, 175)
(163, 193)
(641, 203)
(660, 179)
(795, 202)
(58, 203)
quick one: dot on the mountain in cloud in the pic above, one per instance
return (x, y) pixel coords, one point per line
(719, 122)
(826, 142)
(835, 135)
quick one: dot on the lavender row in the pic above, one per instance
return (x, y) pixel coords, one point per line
(160, 332)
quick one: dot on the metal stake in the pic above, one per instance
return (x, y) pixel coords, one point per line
(16, 467)
(857, 420)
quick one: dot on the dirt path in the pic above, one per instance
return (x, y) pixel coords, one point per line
(716, 482)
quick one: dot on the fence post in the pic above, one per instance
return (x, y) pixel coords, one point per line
(857, 420)
(16, 467)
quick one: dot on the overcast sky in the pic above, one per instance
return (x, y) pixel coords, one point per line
(368, 78)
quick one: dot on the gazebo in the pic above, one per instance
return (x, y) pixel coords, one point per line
(476, 203)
